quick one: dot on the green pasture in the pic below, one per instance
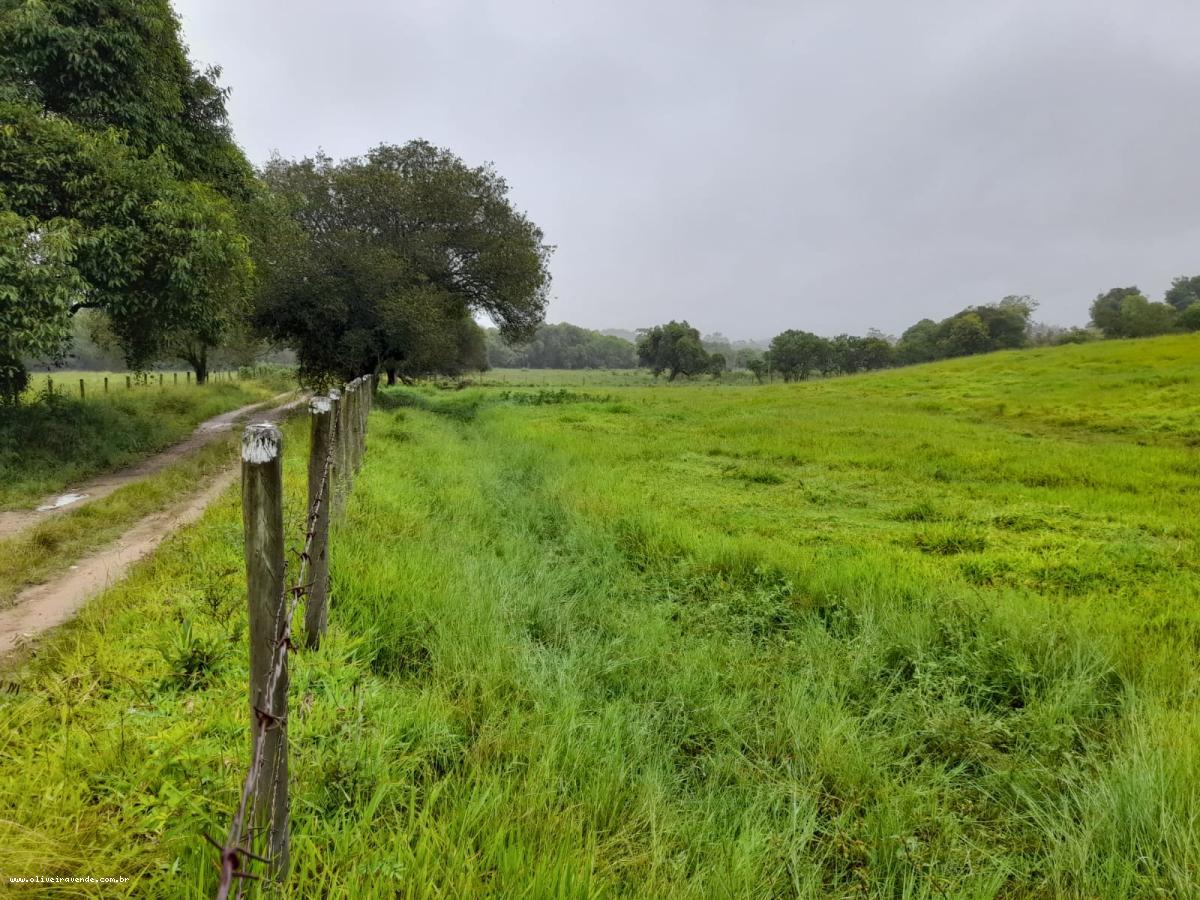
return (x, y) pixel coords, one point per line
(931, 632)
(98, 384)
(583, 378)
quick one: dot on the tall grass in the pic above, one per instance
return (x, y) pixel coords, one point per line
(860, 637)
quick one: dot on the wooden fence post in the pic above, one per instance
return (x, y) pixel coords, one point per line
(262, 523)
(174, 378)
(106, 384)
(369, 404)
(340, 454)
(128, 383)
(316, 611)
(187, 376)
(358, 424)
(351, 432)
(81, 397)
(364, 400)
(337, 422)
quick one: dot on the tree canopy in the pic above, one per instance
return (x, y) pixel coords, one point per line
(977, 329)
(117, 181)
(1183, 292)
(388, 256)
(1125, 312)
(121, 64)
(797, 354)
(674, 348)
(562, 346)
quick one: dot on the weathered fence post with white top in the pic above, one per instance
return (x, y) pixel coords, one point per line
(338, 428)
(342, 453)
(316, 611)
(262, 519)
(359, 405)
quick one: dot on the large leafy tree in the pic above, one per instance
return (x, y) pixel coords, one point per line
(918, 343)
(674, 348)
(849, 354)
(1127, 313)
(386, 257)
(1184, 292)
(797, 354)
(964, 335)
(1106, 309)
(121, 64)
(117, 172)
(977, 329)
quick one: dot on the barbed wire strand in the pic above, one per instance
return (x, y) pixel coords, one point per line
(238, 847)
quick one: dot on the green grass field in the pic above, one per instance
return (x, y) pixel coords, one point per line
(583, 378)
(59, 439)
(931, 632)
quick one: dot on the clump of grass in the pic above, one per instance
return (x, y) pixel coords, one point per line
(949, 540)
(985, 572)
(924, 511)
(553, 398)
(192, 660)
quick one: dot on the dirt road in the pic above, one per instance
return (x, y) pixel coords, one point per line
(13, 522)
(45, 606)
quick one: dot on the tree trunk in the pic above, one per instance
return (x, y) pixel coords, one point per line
(199, 362)
(391, 375)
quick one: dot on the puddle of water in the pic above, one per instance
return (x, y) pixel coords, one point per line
(60, 502)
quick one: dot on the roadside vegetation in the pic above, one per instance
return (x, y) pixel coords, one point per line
(49, 547)
(51, 441)
(929, 632)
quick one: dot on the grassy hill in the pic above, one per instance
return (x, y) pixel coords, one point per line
(926, 632)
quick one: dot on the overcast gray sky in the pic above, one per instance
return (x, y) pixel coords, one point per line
(755, 166)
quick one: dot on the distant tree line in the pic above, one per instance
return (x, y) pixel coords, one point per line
(676, 348)
(976, 329)
(562, 346)
(1125, 312)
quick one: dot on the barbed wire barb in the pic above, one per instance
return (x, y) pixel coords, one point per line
(237, 851)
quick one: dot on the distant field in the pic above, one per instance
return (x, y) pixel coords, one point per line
(931, 632)
(596, 377)
(61, 439)
(66, 382)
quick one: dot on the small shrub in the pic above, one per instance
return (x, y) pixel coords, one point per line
(193, 660)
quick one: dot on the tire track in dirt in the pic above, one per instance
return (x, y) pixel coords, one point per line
(42, 607)
(45, 606)
(13, 522)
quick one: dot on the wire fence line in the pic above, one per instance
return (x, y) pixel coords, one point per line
(96, 385)
(259, 831)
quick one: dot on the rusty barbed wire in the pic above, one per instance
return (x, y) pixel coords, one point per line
(238, 847)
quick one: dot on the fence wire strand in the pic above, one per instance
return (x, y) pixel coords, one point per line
(238, 850)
